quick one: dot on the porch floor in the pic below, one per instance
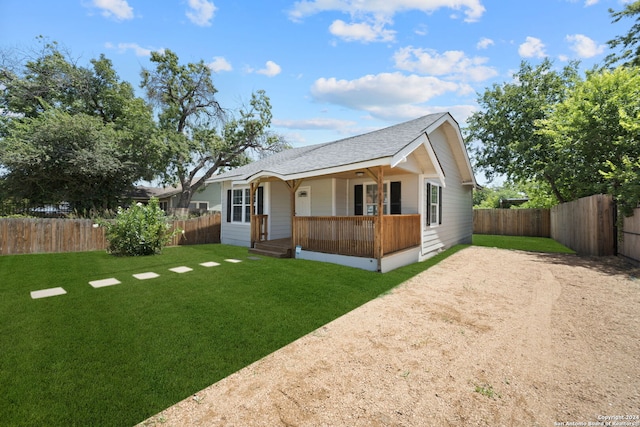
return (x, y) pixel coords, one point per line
(278, 248)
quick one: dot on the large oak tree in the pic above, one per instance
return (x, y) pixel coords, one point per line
(198, 136)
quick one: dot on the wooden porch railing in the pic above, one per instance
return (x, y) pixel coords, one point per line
(259, 228)
(355, 235)
(400, 232)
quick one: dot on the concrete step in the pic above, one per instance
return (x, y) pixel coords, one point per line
(277, 253)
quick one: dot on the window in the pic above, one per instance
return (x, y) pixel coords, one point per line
(203, 206)
(365, 199)
(371, 199)
(239, 205)
(433, 201)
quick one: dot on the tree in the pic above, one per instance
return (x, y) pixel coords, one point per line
(49, 96)
(630, 42)
(597, 130)
(58, 156)
(198, 135)
(506, 127)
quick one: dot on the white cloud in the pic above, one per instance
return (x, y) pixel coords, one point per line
(484, 43)
(588, 3)
(386, 90)
(219, 64)
(450, 63)
(118, 9)
(583, 46)
(319, 123)
(384, 9)
(201, 12)
(271, 69)
(361, 31)
(123, 47)
(532, 47)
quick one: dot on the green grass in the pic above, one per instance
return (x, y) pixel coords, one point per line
(119, 354)
(532, 244)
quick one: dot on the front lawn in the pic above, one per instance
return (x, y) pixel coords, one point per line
(119, 354)
(532, 244)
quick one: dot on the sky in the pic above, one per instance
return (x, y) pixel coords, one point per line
(332, 68)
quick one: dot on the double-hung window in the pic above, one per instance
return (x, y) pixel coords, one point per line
(433, 202)
(241, 205)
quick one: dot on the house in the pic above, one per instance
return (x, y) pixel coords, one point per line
(375, 201)
(206, 199)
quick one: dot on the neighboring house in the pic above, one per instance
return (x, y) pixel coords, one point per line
(207, 198)
(375, 201)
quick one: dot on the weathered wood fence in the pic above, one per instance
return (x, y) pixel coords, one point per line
(586, 225)
(629, 247)
(512, 222)
(42, 235)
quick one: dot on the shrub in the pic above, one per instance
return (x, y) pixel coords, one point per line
(138, 230)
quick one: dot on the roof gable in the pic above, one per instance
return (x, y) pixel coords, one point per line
(387, 146)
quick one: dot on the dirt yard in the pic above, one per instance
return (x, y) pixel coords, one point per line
(487, 337)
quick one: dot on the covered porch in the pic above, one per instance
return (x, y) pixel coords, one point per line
(365, 236)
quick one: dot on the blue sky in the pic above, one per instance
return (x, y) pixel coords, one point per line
(332, 68)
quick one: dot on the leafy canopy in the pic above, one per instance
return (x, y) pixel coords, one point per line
(72, 133)
(629, 43)
(199, 138)
(506, 127)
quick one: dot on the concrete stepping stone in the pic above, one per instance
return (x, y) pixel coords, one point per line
(145, 276)
(235, 261)
(210, 264)
(44, 293)
(104, 282)
(182, 269)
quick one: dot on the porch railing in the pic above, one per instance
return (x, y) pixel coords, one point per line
(400, 232)
(259, 228)
(355, 235)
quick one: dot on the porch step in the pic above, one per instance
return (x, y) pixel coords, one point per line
(275, 249)
(272, 254)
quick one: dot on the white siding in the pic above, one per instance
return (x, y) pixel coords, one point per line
(321, 196)
(279, 210)
(233, 233)
(341, 200)
(457, 203)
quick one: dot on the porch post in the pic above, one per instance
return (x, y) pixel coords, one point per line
(252, 222)
(379, 247)
(293, 187)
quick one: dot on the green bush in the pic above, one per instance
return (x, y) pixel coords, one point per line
(138, 230)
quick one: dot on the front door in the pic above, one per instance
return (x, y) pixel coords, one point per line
(303, 201)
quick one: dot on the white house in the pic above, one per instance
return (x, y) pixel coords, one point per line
(376, 201)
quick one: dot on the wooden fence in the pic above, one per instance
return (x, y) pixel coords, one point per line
(29, 235)
(629, 247)
(512, 222)
(586, 225)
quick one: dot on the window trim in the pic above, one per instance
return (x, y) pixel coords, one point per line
(258, 201)
(429, 204)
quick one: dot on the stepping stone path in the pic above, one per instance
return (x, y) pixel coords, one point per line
(44, 293)
(210, 264)
(104, 282)
(145, 276)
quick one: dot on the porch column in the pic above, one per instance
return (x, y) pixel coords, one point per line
(293, 185)
(252, 222)
(379, 247)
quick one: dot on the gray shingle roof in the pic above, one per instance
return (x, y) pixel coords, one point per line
(356, 149)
